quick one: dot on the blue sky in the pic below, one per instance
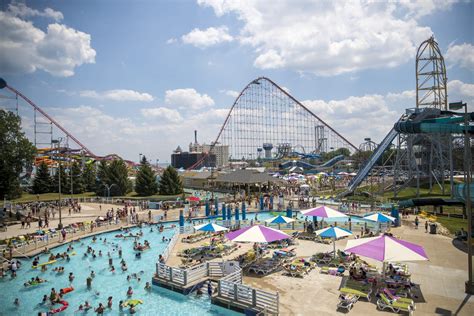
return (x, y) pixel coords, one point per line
(138, 77)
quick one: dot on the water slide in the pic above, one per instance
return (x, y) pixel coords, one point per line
(364, 171)
(415, 121)
(331, 162)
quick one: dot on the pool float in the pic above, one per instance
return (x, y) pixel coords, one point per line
(60, 309)
(67, 289)
(34, 283)
(44, 264)
(132, 302)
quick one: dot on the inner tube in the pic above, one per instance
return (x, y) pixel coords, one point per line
(132, 302)
(60, 309)
(44, 264)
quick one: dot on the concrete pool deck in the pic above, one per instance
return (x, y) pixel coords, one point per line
(441, 278)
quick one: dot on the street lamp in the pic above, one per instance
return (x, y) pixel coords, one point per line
(467, 196)
(108, 187)
(140, 157)
(58, 142)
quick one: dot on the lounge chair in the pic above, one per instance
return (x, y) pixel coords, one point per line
(347, 301)
(295, 270)
(391, 294)
(395, 306)
(339, 271)
(364, 293)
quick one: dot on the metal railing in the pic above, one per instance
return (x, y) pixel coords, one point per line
(167, 251)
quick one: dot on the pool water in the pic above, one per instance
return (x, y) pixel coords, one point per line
(157, 301)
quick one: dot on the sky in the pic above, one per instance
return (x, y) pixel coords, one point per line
(131, 77)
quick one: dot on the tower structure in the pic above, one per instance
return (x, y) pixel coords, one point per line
(425, 158)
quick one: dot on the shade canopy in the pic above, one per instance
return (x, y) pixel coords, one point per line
(333, 232)
(257, 233)
(385, 248)
(323, 211)
(279, 220)
(210, 227)
(379, 217)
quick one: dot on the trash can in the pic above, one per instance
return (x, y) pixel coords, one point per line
(433, 228)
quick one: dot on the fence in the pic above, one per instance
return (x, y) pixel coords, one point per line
(231, 287)
(53, 238)
(166, 253)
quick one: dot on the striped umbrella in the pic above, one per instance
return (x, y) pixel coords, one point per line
(323, 211)
(386, 248)
(333, 233)
(257, 233)
(210, 227)
(379, 217)
(279, 220)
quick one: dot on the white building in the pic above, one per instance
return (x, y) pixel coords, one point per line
(221, 152)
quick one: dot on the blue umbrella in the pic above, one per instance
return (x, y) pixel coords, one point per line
(207, 208)
(334, 233)
(210, 227)
(237, 213)
(244, 214)
(279, 220)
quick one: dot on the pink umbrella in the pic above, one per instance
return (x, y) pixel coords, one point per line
(257, 233)
(193, 199)
(385, 248)
(323, 211)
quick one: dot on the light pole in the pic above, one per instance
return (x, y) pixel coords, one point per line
(140, 157)
(58, 142)
(108, 187)
(467, 196)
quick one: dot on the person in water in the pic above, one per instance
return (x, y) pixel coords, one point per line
(109, 302)
(147, 286)
(130, 291)
(100, 309)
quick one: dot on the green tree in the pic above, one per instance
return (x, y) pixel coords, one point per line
(42, 182)
(145, 184)
(170, 183)
(75, 174)
(102, 178)
(89, 177)
(16, 154)
(117, 174)
(60, 172)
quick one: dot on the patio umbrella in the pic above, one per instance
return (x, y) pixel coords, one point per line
(279, 220)
(257, 233)
(323, 211)
(334, 233)
(210, 227)
(385, 248)
(193, 199)
(379, 218)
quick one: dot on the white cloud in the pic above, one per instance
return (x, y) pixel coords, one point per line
(329, 37)
(171, 41)
(187, 98)
(118, 95)
(22, 11)
(461, 55)
(373, 115)
(230, 93)
(170, 115)
(208, 37)
(25, 48)
(424, 7)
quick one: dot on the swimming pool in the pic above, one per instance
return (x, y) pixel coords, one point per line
(157, 301)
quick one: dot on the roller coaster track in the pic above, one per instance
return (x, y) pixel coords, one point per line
(52, 120)
(258, 81)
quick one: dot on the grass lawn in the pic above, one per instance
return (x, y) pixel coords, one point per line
(27, 197)
(453, 224)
